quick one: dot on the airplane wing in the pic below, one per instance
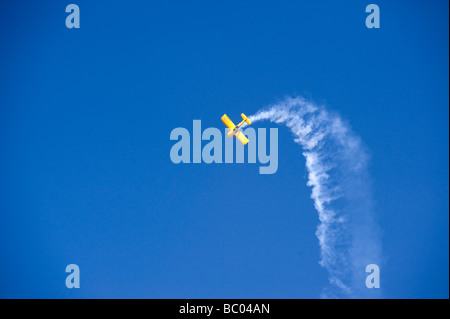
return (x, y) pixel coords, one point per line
(226, 120)
(241, 137)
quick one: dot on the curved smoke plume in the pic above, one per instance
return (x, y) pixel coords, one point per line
(337, 173)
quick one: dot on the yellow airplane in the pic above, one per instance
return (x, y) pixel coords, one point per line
(234, 129)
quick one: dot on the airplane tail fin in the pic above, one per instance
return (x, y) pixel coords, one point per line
(245, 118)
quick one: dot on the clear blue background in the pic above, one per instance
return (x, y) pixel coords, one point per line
(85, 119)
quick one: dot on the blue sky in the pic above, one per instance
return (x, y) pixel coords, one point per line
(85, 119)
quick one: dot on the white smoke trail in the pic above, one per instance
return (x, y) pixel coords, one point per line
(337, 172)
